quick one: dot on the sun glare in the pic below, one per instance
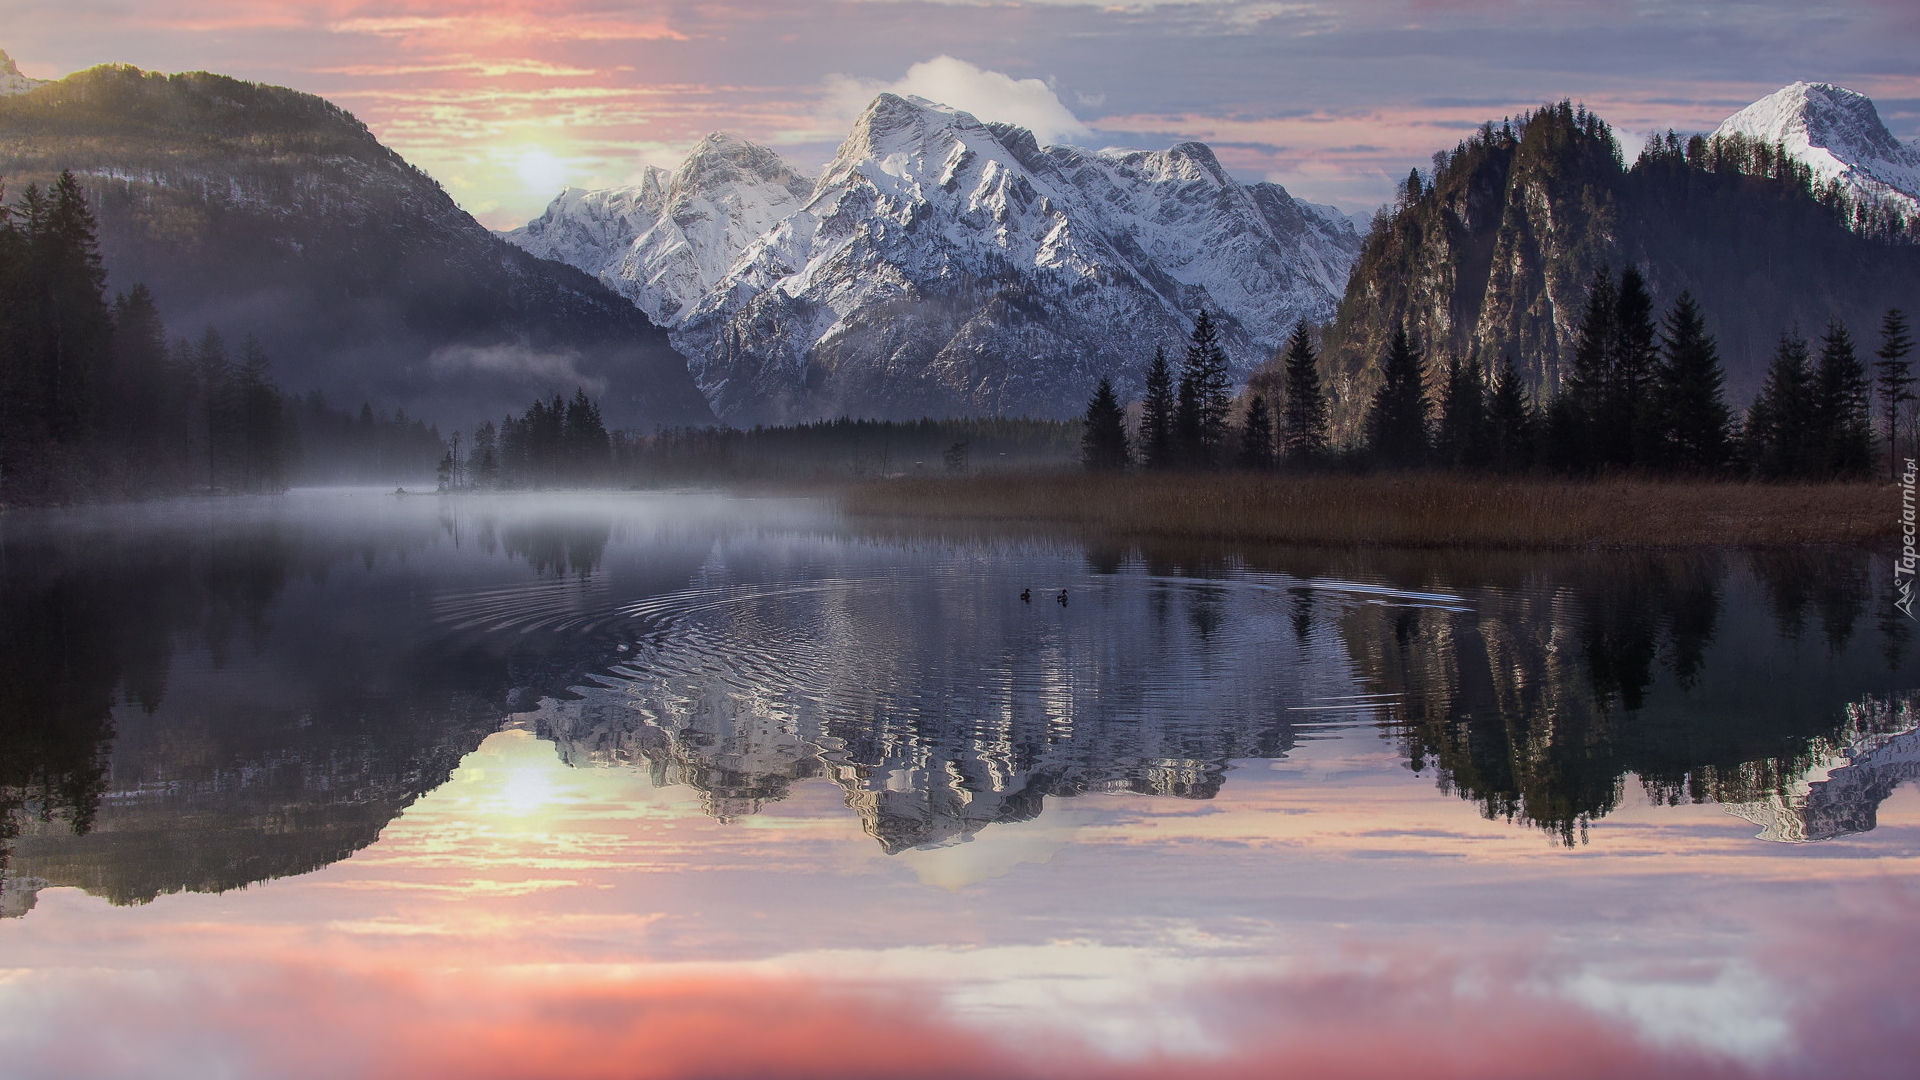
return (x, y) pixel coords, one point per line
(541, 171)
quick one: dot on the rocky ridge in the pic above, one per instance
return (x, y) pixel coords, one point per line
(1837, 133)
(11, 81)
(665, 242)
(942, 265)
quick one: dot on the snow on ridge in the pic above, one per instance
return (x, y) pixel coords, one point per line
(1837, 133)
(664, 242)
(11, 81)
(942, 264)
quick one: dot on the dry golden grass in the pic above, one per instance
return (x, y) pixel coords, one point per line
(1423, 511)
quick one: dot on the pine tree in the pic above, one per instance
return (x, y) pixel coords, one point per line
(1780, 431)
(1397, 420)
(587, 449)
(260, 422)
(1694, 418)
(1157, 415)
(1894, 381)
(1256, 439)
(1206, 394)
(1189, 445)
(1842, 417)
(1630, 423)
(1103, 445)
(1464, 440)
(1574, 421)
(1303, 428)
(55, 342)
(516, 462)
(141, 403)
(213, 382)
(483, 461)
(1509, 421)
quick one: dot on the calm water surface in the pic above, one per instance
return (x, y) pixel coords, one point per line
(343, 784)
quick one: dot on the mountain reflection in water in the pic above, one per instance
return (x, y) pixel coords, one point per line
(202, 697)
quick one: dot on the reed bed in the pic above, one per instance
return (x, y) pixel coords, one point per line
(1415, 511)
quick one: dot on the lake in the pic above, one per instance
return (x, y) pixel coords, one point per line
(681, 785)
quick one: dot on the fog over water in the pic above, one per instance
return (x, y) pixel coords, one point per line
(687, 785)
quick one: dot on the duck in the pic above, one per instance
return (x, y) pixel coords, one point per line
(1062, 598)
(1026, 596)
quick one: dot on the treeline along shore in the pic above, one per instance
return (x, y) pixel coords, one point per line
(97, 403)
(1412, 510)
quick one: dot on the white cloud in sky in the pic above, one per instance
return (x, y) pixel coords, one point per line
(988, 95)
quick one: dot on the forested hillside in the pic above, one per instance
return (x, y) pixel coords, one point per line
(1491, 255)
(276, 214)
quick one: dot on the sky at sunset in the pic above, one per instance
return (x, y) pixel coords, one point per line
(506, 101)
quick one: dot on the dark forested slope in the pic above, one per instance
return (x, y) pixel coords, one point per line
(1492, 255)
(267, 211)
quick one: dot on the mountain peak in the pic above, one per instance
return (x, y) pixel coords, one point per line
(664, 242)
(944, 265)
(11, 81)
(721, 160)
(894, 124)
(1822, 115)
(1837, 133)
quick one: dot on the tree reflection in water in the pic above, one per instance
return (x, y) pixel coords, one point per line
(200, 708)
(1543, 700)
(242, 708)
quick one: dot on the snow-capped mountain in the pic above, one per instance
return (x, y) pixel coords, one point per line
(665, 242)
(11, 81)
(1837, 132)
(942, 265)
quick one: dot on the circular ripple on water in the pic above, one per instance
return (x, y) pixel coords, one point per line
(944, 641)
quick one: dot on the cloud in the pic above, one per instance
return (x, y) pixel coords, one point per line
(988, 95)
(534, 367)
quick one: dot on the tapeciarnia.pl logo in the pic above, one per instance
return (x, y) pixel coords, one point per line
(1903, 567)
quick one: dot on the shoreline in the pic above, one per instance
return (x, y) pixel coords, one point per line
(1434, 510)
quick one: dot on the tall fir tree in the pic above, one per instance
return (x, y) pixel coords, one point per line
(1189, 445)
(1893, 380)
(1157, 415)
(588, 450)
(1464, 438)
(1780, 433)
(1576, 442)
(483, 461)
(1303, 426)
(55, 342)
(1692, 408)
(1842, 408)
(1206, 393)
(1103, 442)
(1256, 438)
(1629, 420)
(213, 383)
(1397, 418)
(260, 422)
(140, 406)
(1510, 421)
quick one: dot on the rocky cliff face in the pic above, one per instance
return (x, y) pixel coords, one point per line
(1837, 133)
(942, 266)
(265, 211)
(1493, 256)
